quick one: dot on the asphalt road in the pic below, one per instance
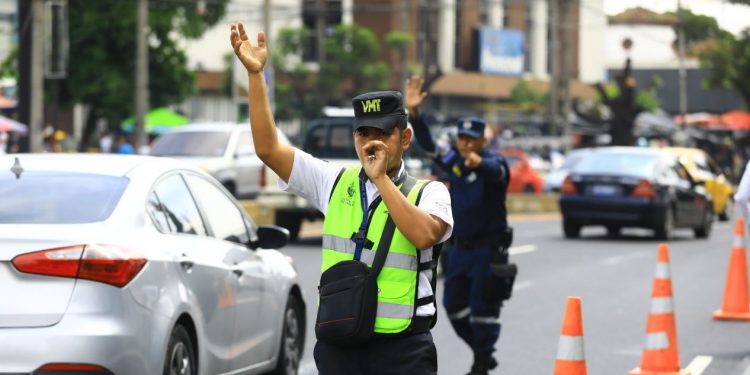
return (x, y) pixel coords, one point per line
(613, 276)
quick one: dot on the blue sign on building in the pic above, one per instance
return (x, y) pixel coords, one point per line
(501, 51)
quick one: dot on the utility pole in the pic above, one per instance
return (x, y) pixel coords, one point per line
(405, 52)
(141, 75)
(320, 26)
(36, 119)
(567, 70)
(24, 66)
(555, 62)
(683, 72)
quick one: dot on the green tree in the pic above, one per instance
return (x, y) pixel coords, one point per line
(699, 27)
(353, 57)
(527, 98)
(8, 66)
(102, 58)
(728, 62)
(294, 80)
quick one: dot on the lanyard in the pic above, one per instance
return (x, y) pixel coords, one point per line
(360, 237)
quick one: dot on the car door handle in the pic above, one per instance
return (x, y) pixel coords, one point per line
(237, 271)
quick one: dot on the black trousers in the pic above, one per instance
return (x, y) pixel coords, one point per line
(413, 355)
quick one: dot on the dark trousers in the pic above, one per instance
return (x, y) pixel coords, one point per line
(475, 320)
(413, 355)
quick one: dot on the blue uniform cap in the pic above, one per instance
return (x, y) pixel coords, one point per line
(471, 126)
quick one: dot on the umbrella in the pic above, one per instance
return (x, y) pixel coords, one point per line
(9, 125)
(736, 120)
(158, 121)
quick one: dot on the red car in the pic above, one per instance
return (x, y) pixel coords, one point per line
(523, 178)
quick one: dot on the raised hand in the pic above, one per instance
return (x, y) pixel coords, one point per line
(252, 57)
(414, 95)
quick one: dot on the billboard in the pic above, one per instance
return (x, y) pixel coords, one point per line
(501, 51)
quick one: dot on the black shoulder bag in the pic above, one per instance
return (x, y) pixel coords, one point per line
(348, 291)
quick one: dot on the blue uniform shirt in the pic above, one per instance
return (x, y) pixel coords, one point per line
(478, 194)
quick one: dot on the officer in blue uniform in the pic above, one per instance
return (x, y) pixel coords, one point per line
(478, 184)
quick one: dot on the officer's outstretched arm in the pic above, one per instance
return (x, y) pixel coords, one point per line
(413, 99)
(279, 157)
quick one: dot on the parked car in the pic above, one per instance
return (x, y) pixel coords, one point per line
(523, 178)
(224, 150)
(633, 187)
(555, 178)
(113, 264)
(706, 171)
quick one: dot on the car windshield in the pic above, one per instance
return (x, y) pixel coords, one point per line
(38, 197)
(571, 161)
(192, 143)
(641, 165)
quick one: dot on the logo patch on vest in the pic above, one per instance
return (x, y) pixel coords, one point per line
(348, 200)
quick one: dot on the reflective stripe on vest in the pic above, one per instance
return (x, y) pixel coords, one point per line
(398, 280)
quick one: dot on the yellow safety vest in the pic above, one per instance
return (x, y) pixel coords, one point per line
(398, 280)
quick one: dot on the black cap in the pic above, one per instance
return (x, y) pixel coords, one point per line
(379, 109)
(471, 126)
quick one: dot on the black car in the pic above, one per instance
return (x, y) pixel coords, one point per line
(634, 187)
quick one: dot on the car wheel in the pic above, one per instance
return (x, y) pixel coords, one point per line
(290, 350)
(180, 358)
(705, 229)
(571, 230)
(665, 231)
(529, 188)
(613, 230)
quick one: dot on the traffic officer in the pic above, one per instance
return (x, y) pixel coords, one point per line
(406, 307)
(478, 184)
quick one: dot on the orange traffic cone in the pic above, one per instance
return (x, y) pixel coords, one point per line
(736, 305)
(570, 353)
(661, 356)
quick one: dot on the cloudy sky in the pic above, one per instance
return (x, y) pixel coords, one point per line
(731, 17)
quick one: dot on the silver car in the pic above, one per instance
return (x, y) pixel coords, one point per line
(223, 150)
(123, 265)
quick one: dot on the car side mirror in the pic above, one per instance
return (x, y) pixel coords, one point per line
(270, 237)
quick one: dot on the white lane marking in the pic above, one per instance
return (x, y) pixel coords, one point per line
(308, 368)
(522, 285)
(622, 258)
(699, 364)
(521, 249)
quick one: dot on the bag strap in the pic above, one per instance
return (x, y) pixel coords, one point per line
(389, 230)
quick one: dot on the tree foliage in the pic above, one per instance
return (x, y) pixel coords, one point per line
(353, 57)
(728, 62)
(527, 98)
(102, 53)
(699, 27)
(352, 66)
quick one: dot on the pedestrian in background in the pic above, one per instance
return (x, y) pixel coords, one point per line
(481, 236)
(370, 210)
